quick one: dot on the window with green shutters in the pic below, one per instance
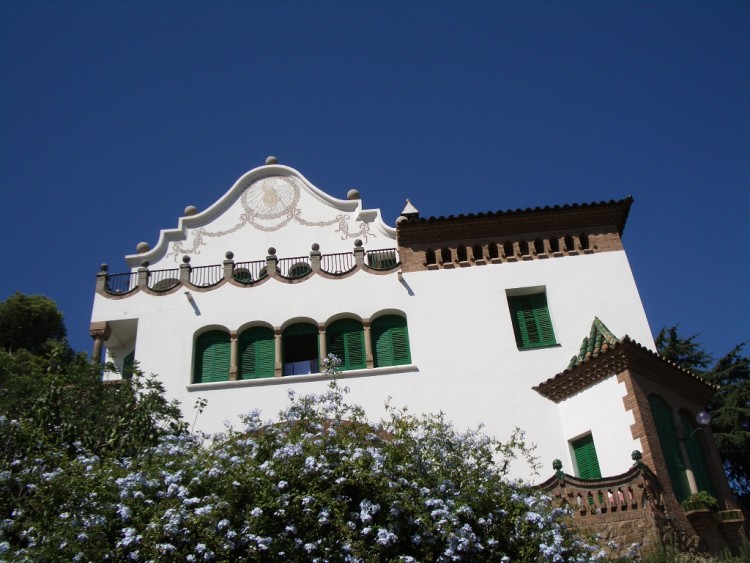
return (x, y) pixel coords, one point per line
(390, 338)
(695, 455)
(531, 321)
(587, 462)
(256, 353)
(345, 338)
(670, 446)
(299, 349)
(212, 357)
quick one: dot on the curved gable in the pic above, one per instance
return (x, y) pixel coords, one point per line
(269, 206)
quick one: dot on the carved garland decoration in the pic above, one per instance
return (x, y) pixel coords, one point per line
(264, 202)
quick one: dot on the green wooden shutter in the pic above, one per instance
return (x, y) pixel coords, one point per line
(586, 458)
(256, 353)
(345, 339)
(532, 324)
(696, 457)
(390, 336)
(670, 447)
(212, 357)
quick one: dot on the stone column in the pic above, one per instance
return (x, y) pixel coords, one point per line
(368, 344)
(100, 332)
(359, 254)
(278, 364)
(233, 354)
(143, 275)
(101, 279)
(315, 258)
(322, 347)
(228, 265)
(185, 271)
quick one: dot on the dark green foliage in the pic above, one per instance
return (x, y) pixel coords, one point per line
(730, 407)
(28, 322)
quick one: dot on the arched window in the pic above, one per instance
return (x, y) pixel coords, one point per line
(584, 238)
(670, 446)
(299, 349)
(523, 247)
(476, 250)
(569, 243)
(429, 256)
(256, 353)
(492, 251)
(695, 455)
(539, 246)
(346, 339)
(390, 341)
(508, 249)
(462, 254)
(554, 244)
(445, 256)
(212, 357)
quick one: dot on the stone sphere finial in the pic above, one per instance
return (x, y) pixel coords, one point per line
(144, 264)
(271, 251)
(358, 243)
(315, 247)
(103, 267)
(142, 247)
(353, 194)
(186, 259)
(636, 456)
(556, 465)
(272, 160)
(191, 210)
(229, 255)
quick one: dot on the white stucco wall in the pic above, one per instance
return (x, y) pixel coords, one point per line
(465, 359)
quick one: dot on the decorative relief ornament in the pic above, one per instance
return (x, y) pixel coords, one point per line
(269, 204)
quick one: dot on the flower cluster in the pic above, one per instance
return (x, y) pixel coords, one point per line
(320, 483)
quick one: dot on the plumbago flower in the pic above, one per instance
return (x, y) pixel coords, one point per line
(321, 482)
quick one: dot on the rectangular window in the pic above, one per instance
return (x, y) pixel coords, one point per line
(531, 321)
(584, 452)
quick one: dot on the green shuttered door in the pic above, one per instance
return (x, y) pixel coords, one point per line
(390, 337)
(670, 447)
(345, 339)
(256, 353)
(586, 459)
(212, 357)
(531, 321)
(697, 459)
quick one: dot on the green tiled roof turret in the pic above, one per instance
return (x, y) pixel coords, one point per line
(599, 340)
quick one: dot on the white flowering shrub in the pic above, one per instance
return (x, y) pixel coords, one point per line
(321, 483)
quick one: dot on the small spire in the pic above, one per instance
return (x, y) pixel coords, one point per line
(410, 211)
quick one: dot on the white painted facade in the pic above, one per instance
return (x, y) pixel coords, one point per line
(465, 360)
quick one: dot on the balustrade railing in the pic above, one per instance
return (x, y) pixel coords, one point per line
(337, 263)
(294, 267)
(206, 276)
(163, 280)
(245, 272)
(249, 272)
(382, 259)
(122, 283)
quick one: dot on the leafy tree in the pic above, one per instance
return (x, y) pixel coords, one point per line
(29, 322)
(730, 407)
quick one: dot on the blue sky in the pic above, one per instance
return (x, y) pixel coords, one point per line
(114, 116)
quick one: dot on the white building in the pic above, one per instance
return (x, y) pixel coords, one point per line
(471, 315)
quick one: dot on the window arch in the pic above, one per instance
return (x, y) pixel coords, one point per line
(429, 256)
(299, 349)
(256, 353)
(461, 254)
(476, 252)
(670, 446)
(390, 341)
(346, 339)
(212, 357)
(445, 255)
